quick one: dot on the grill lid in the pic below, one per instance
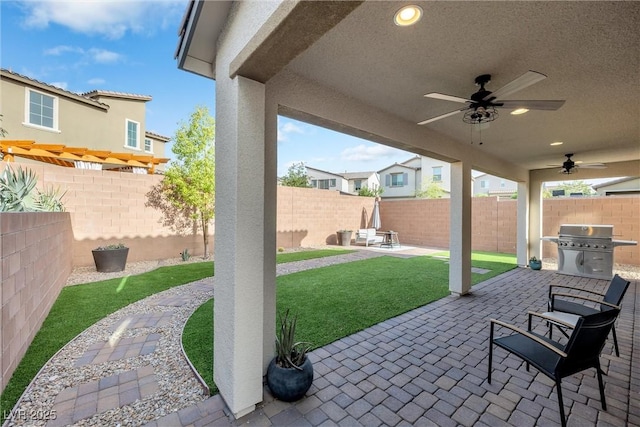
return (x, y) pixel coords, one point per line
(586, 230)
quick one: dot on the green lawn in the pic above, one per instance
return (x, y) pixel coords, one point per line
(78, 307)
(335, 301)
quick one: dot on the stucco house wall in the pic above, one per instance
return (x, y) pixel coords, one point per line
(486, 184)
(95, 123)
(410, 184)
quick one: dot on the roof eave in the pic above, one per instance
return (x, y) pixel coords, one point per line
(214, 16)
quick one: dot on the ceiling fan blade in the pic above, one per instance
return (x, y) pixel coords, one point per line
(445, 97)
(592, 166)
(525, 80)
(533, 104)
(442, 116)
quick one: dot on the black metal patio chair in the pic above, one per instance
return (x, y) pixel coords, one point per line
(553, 359)
(569, 311)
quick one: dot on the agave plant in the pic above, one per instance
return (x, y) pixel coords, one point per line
(15, 190)
(289, 353)
(16, 193)
(49, 200)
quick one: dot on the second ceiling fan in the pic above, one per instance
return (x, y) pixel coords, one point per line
(481, 106)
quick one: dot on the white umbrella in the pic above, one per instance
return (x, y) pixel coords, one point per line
(375, 220)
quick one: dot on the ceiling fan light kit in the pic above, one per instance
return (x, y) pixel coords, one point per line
(482, 105)
(569, 166)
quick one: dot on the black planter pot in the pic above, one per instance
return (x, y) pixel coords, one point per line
(110, 260)
(289, 384)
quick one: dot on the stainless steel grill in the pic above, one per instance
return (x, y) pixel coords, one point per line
(587, 250)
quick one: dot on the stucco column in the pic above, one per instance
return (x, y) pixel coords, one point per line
(240, 243)
(460, 232)
(535, 218)
(522, 224)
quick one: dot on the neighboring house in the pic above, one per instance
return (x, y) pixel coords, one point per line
(622, 186)
(96, 120)
(359, 180)
(348, 182)
(490, 185)
(327, 180)
(404, 180)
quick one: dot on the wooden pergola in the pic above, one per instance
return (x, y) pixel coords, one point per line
(78, 157)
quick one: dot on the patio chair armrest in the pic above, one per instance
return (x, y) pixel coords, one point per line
(574, 288)
(550, 319)
(528, 335)
(597, 301)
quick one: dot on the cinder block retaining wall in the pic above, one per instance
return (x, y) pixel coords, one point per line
(109, 207)
(426, 222)
(35, 254)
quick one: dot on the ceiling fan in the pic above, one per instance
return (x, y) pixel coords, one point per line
(569, 166)
(481, 106)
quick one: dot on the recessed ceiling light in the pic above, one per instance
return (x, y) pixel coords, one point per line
(519, 111)
(557, 143)
(408, 15)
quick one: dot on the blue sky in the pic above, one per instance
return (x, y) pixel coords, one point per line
(128, 46)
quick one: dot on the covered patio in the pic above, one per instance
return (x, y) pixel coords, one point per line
(346, 66)
(429, 367)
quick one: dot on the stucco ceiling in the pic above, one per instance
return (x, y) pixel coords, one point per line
(590, 52)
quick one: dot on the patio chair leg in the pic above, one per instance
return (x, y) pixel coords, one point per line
(490, 353)
(615, 341)
(563, 421)
(601, 384)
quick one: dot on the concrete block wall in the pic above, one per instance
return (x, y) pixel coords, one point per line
(35, 261)
(425, 222)
(109, 207)
(309, 216)
(621, 212)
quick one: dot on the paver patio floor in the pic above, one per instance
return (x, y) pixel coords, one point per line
(426, 367)
(429, 367)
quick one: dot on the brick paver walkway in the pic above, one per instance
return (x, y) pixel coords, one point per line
(426, 367)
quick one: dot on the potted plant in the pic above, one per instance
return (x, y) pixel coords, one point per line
(344, 237)
(535, 263)
(290, 372)
(110, 258)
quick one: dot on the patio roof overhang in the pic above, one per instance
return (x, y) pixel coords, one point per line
(62, 155)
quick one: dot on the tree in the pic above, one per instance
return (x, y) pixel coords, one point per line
(186, 195)
(576, 187)
(431, 190)
(374, 191)
(296, 176)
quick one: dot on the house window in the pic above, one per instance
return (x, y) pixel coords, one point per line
(502, 183)
(437, 173)
(357, 184)
(148, 145)
(397, 180)
(132, 134)
(314, 183)
(323, 184)
(483, 184)
(42, 110)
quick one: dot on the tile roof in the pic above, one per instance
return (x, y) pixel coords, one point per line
(5, 73)
(112, 94)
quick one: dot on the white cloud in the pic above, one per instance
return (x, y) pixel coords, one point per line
(94, 54)
(96, 81)
(62, 49)
(108, 18)
(103, 56)
(287, 128)
(61, 85)
(367, 153)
